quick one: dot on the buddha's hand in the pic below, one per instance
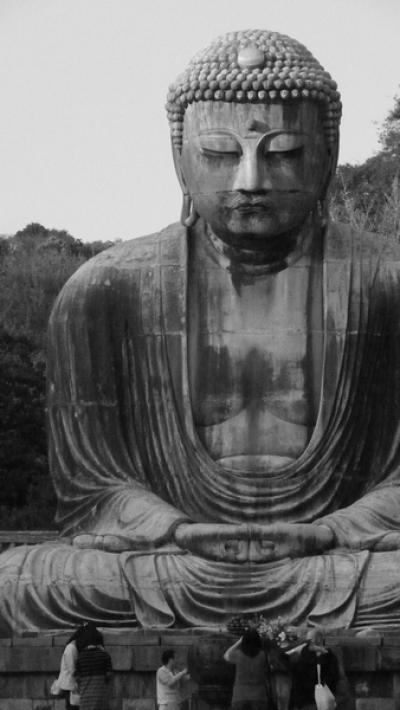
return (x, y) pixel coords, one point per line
(107, 542)
(388, 542)
(253, 543)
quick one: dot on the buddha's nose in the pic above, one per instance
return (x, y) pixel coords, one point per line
(251, 174)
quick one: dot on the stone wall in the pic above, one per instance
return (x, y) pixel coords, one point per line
(30, 663)
(372, 665)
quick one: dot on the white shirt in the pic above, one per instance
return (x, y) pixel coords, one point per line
(168, 689)
(66, 679)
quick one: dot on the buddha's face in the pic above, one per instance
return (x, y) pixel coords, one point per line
(254, 171)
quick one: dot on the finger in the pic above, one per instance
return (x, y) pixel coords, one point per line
(109, 543)
(116, 543)
(258, 552)
(231, 546)
(264, 555)
(203, 533)
(84, 541)
(242, 554)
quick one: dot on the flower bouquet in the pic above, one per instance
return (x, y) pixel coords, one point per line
(276, 632)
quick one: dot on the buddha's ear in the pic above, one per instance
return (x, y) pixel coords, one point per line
(188, 215)
(177, 157)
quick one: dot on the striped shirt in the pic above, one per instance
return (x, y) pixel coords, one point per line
(93, 660)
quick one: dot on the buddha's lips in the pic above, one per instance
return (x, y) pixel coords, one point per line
(253, 207)
(257, 203)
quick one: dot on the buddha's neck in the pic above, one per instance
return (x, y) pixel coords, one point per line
(271, 255)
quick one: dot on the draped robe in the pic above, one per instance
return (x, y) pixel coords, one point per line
(126, 459)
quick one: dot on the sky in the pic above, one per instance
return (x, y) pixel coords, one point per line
(84, 141)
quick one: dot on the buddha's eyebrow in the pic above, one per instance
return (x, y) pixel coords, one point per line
(261, 127)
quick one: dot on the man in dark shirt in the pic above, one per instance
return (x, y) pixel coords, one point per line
(305, 675)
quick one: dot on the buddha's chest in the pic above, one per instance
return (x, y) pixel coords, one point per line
(255, 355)
(255, 346)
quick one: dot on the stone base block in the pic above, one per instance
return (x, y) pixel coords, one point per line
(138, 704)
(29, 664)
(376, 704)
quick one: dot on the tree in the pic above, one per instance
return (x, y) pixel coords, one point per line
(27, 496)
(34, 265)
(370, 188)
(390, 134)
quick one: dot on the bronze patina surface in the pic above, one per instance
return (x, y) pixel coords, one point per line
(224, 396)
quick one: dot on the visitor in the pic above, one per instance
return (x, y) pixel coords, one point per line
(305, 674)
(66, 686)
(252, 672)
(93, 670)
(169, 682)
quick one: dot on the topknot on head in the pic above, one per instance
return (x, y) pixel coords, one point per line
(256, 66)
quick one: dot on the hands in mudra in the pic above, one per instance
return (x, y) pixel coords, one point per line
(241, 543)
(231, 543)
(253, 543)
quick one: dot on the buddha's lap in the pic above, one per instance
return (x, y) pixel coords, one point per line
(59, 579)
(66, 563)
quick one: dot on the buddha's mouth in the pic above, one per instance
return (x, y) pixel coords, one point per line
(261, 203)
(254, 208)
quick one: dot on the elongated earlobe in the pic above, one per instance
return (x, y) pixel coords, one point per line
(189, 215)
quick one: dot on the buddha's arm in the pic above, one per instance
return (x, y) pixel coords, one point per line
(373, 522)
(97, 449)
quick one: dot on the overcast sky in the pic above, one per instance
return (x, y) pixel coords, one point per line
(84, 142)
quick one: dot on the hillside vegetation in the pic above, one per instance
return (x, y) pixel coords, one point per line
(34, 265)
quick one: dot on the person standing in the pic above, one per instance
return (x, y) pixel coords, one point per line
(93, 670)
(250, 686)
(66, 684)
(169, 682)
(305, 673)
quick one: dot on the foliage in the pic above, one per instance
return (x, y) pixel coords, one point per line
(276, 631)
(34, 265)
(27, 496)
(369, 189)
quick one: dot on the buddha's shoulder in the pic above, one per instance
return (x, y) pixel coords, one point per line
(126, 260)
(347, 242)
(121, 272)
(152, 249)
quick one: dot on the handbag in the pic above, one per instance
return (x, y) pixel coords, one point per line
(55, 689)
(324, 698)
(74, 698)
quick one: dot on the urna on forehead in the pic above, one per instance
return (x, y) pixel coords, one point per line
(254, 66)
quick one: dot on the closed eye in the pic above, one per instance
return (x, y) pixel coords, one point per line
(288, 154)
(284, 143)
(219, 145)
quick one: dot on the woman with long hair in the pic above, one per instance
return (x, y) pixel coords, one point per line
(66, 686)
(93, 670)
(251, 676)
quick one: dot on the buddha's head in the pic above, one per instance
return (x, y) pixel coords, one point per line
(255, 128)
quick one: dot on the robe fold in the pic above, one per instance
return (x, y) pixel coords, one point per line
(126, 459)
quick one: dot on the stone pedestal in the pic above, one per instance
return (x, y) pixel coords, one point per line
(29, 664)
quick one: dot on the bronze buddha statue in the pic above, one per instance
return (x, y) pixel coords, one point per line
(224, 396)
